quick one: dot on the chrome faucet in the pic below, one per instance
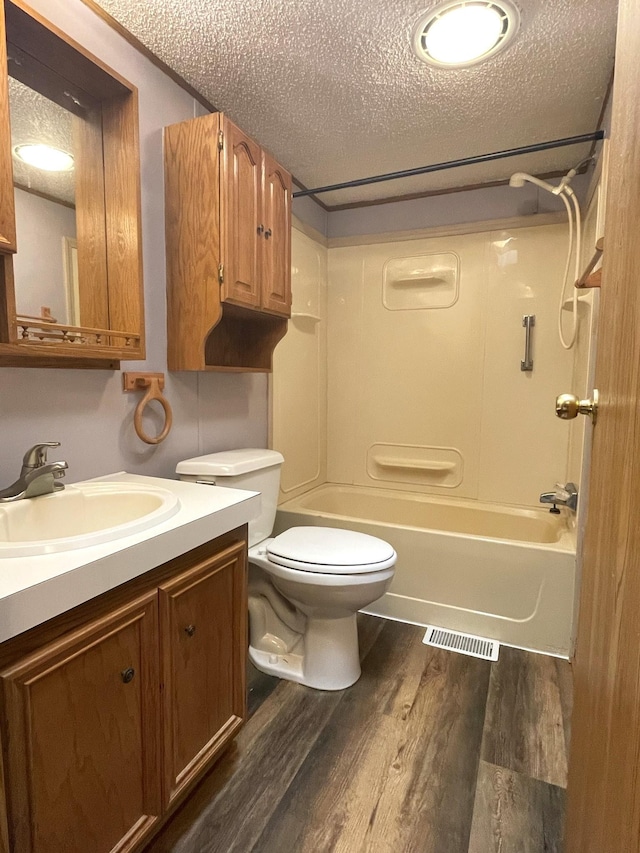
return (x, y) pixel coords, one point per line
(37, 477)
(566, 495)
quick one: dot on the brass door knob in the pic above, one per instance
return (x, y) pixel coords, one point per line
(568, 406)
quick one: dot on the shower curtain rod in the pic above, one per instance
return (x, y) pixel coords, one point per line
(452, 164)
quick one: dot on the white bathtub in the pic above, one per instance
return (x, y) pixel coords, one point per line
(502, 572)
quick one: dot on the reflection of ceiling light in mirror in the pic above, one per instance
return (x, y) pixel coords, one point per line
(457, 34)
(44, 157)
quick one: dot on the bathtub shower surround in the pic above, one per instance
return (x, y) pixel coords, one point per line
(425, 340)
(435, 438)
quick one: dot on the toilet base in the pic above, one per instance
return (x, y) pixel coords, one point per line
(326, 658)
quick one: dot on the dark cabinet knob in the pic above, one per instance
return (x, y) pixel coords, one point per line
(190, 630)
(267, 233)
(260, 229)
(128, 674)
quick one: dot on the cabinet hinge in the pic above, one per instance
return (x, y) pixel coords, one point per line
(221, 273)
(220, 140)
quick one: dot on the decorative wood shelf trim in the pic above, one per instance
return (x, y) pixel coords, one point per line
(41, 330)
(588, 277)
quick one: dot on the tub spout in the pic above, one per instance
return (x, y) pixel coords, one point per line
(566, 495)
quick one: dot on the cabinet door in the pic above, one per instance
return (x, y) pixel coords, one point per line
(82, 717)
(203, 630)
(240, 202)
(193, 232)
(276, 242)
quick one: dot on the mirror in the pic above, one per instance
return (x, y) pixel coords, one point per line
(70, 275)
(45, 266)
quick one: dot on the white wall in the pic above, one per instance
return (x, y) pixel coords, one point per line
(86, 410)
(38, 266)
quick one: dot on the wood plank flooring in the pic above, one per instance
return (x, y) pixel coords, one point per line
(430, 752)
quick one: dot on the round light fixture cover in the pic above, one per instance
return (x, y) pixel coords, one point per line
(44, 157)
(457, 34)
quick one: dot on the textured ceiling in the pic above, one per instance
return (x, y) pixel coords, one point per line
(335, 92)
(35, 118)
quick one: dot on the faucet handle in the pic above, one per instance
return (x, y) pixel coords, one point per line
(566, 490)
(36, 456)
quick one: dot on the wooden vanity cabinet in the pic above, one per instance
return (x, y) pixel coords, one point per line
(112, 712)
(228, 238)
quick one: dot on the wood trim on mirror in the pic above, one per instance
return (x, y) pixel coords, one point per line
(7, 208)
(107, 181)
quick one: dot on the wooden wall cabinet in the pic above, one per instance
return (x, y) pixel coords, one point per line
(228, 237)
(108, 721)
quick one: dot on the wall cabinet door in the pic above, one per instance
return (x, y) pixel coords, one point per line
(203, 628)
(240, 220)
(276, 248)
(82, 722)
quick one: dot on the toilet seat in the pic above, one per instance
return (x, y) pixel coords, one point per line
(320, 577)
(330, 550)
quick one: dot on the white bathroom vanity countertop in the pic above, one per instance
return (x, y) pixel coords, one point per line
(34, 589)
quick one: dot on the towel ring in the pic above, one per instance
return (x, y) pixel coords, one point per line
(154, 385)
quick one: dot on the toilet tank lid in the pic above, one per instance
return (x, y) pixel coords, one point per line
(230, 463)
(330, 546)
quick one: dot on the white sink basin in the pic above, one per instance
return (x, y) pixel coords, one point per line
(83, 514)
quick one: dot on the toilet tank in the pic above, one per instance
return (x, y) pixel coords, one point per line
(252, 469)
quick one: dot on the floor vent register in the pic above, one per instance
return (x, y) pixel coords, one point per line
(466, 644)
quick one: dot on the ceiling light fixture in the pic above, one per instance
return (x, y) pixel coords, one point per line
(44, 157)
(457, 34)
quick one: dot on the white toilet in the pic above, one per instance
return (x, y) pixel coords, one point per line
(305, 585)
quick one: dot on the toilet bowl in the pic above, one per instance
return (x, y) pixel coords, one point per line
(317, 645)
(305, 585)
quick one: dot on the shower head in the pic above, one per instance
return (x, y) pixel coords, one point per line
(518, 179)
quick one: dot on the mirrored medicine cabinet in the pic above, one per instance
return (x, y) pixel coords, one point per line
(70, 253)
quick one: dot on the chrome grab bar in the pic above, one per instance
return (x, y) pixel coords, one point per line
(528, 321)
